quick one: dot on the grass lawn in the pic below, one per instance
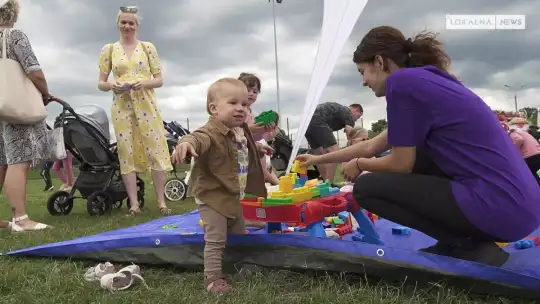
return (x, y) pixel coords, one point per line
(59, 281)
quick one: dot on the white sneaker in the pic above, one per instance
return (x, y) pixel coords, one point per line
(95, 273)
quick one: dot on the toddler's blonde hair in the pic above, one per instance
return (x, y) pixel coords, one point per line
(217, 88)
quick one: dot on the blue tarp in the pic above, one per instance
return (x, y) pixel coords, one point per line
(521, 270)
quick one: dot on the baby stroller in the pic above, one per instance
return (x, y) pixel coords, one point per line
(175, 187)
(283, 147)
(87, 137)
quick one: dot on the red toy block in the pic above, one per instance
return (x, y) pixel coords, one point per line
(533, 238)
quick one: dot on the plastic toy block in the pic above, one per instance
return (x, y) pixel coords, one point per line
(274, 188)
(344, 215)
(324, 192)
(247, 195)
(296, 167)
(502, 244)
(266, 117)
(285, 184)
(524, 244)
(315, 193)
(333, 191)
(337, 221)
(277, 194)
(302, 180)
(533, 238)
(346, 229)
(538, 172)
(277, 201)
(312, 183)
(201, 223)
(294, 177)
(401, 230)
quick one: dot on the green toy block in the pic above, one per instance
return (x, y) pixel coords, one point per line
(337, 221)
(315, 192)
(277, 201)
(538, 172)
(266, 117)
(247, 195)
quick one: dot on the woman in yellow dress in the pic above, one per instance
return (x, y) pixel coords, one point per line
(137, 122)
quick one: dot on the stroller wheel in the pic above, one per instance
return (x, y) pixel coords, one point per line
(175, 190)
(99, 203)
(60, 203)
(141, 202)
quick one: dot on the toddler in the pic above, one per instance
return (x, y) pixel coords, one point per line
(227, 166)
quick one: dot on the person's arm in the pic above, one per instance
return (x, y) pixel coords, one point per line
(268, 176)
(402, 160)
(348, 132)
(200, 141)
(27, 58)
(363, 149)
(105, 68)
(155, 67)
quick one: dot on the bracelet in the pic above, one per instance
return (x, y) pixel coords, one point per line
(358, 166)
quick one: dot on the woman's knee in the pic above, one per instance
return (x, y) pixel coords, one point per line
(368, 185)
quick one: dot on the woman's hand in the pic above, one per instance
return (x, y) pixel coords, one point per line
(139, 85)
(119, 88)
(307, 160)
(351, 170)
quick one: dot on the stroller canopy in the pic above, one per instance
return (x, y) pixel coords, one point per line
(96, 117)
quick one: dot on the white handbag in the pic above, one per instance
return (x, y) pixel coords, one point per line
(20, 100)
(54, 143)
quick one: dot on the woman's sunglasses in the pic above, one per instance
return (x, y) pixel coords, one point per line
(129, 9)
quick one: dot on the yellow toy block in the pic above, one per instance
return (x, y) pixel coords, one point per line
(297, 168)
(312, 183)
(277, 194)
(201, 223)
(285, 184)
(502, 244)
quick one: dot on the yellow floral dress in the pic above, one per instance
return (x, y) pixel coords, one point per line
(137, 122)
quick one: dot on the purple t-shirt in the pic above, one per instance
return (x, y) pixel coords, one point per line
(493, 186)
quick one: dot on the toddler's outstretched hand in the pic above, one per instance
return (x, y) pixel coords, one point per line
(182, 150)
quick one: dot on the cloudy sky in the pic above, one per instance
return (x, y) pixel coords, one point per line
(200, 41)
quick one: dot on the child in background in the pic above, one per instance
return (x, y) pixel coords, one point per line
(220, 177)
(64, 172)
(260, 133)
(357, 134)
(45, 173)
(528, 147)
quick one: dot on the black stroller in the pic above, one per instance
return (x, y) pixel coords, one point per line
(283, 147)
(175, 187)
(87, 137)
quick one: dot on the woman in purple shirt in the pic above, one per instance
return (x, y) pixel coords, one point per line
(453, 173)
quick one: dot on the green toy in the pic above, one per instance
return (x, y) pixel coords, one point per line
(538, 172)
(266, 118)
(169, 226)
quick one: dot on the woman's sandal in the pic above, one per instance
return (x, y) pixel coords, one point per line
(132, 212)
(165, 210)
(14, 227)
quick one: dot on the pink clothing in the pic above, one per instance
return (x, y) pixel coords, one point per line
(526, 144)
(64, 169)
